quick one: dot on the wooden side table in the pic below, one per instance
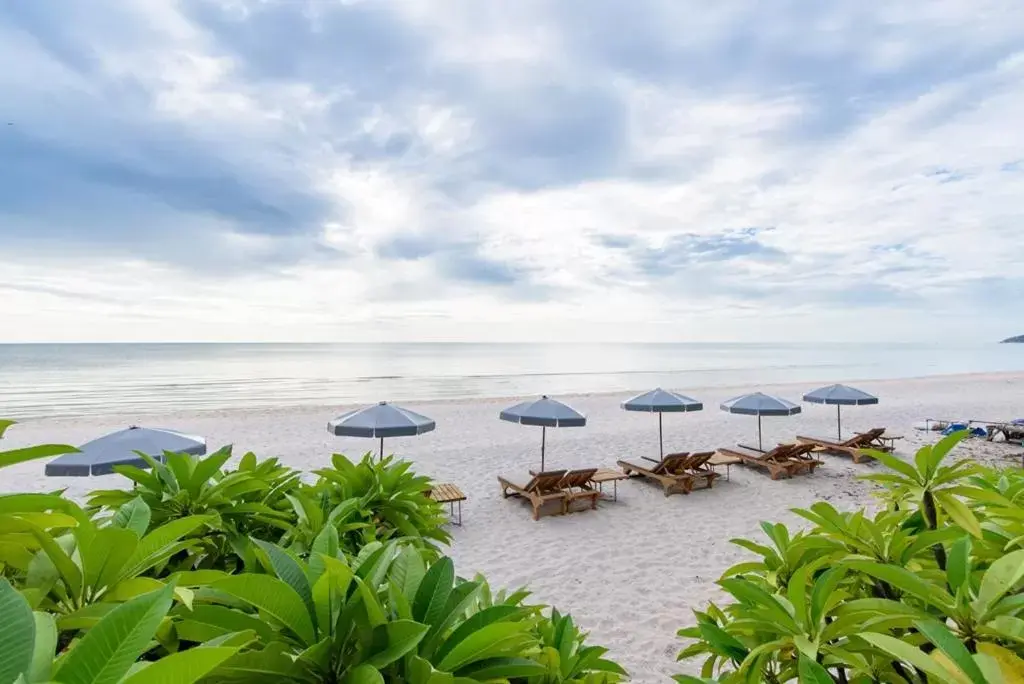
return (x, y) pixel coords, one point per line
(451, 495)
(719, 459)
(608, 475)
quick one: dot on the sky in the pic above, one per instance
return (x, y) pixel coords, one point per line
(657, 170)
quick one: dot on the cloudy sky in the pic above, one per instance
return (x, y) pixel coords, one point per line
(318, 170)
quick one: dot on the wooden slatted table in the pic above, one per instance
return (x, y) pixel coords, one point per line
(448, 494)
(722, 459)
(608, 475)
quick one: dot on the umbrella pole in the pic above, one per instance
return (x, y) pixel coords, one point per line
(381, 448)
(661, 441)
(839, 422)
(543, 443)
(760, 446)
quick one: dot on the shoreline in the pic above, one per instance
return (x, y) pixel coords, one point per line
(798, 387)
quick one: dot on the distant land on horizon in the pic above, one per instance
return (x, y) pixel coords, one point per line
(1019, 339)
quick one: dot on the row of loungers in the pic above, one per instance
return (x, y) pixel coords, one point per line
(680, 473)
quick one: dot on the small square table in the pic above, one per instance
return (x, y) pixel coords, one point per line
(451, 495)
(608, 475)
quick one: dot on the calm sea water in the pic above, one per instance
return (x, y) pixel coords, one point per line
(60, 379)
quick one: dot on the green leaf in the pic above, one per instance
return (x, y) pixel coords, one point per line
(939, 634)
(906, 581)
(17, 633)
(104, 554)
(959, 513)
(364, 674)
(1003, 575)
(4, 424)
(433, 592)
(289, 569)
(44, 649)
(903, 651)
(134, 515)
(273, 597)
(107, 651)
(813, 673)
(15, 456)
(408, 571)
(958, 564)
(402, 636)
(66, 568)
(161, 544)
(184, 667)
(476, 622)
(502, 669)
(498, 639)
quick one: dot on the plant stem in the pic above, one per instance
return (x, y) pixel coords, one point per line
(931, 519)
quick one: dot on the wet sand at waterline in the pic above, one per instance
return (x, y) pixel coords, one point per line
(631, 571)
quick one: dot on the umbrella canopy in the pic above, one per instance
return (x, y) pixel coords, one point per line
(840, 396)
(99, 456)
(380, 421)
(544, 412)
(760, 404)
(662, 401)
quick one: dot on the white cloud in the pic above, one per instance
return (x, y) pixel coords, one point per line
(326, 171)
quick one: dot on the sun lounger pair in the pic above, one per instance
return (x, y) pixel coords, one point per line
(676, 473)
(872, 439)
(563, 486)
(785, 459)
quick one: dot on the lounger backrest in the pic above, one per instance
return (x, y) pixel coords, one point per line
(699, 460)
(672, 462)
(800, 450)
(779, 453)
(546, 482)
(577, 478)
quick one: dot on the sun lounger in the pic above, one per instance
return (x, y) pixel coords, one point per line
(853, 446)
(576, 485)
(542, 488)
(675, 472)
(803, 455)
(779, 461)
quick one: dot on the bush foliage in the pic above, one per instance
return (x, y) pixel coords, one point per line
(926, 590)
(201, 573)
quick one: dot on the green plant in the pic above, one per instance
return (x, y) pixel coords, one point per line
(383, 499)
(927, 590)
(202, 574)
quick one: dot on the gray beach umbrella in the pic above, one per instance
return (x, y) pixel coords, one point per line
(840, 396)
(759, 404)
(662, 401)
(545, 413)
(99, 456)
(380, 421)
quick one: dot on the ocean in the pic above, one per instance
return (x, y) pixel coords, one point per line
(73, 379)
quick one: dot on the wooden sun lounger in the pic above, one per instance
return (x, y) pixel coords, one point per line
(676, 473)
(576, 485)
(779, 461)
(803, 455)
(853, 446)
(541, 489)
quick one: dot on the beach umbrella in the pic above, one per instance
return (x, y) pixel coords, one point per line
(759, 404)
(545, 413)
(662, 401)
(380, 421)
(99, 456)
(840, 396)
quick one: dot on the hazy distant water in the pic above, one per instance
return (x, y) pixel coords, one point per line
(48, 380)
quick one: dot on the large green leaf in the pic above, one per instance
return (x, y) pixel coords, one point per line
(958, 564)
(1002, 576)
(364, 674)
(289, 569)
(813, 673)
(66, 568)
(939, 634)
(476, 622)
(104, 554)
(17, 633)
(433, 592)
(4, 424)
(107, 651)
(44, 649)
(907, 653)
(502, 669)
(15, 456)
(134, 515)
(161, 544)
(273, 597)
(494, 640)
(959, 513)
(906, 581)
(185, 667)
(401, 637)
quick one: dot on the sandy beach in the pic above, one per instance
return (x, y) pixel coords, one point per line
(631, 571)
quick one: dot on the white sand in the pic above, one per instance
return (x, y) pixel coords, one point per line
(632, 570)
